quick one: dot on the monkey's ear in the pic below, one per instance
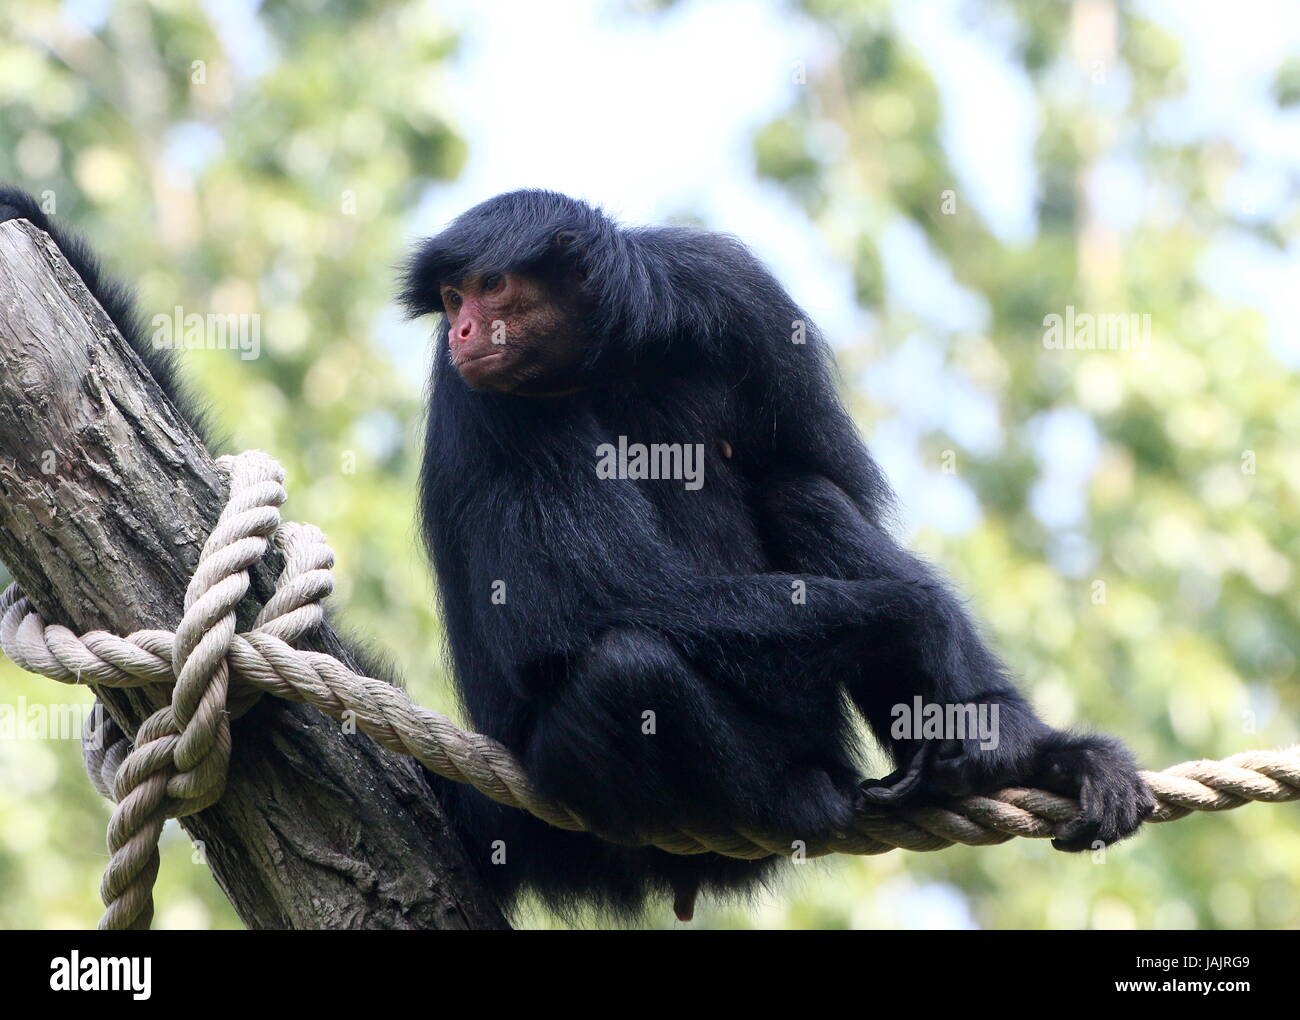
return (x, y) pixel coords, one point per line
(567, 245)
(421, 278)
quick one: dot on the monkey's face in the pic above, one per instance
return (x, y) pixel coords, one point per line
(512, 333)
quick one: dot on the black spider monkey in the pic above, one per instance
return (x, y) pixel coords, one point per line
(662, 652)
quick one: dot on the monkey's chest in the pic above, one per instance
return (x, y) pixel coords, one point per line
(705, 512)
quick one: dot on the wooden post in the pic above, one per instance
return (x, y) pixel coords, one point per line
(106, 496)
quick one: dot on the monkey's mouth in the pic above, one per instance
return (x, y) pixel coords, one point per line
(461, 360)
(484, 369)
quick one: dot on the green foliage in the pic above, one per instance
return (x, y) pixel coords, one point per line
(1286, 84)
(1178, 630)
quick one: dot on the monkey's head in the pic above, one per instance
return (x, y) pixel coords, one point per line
(510, 278)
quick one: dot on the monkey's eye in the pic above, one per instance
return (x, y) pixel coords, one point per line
(493, 281)
(452, 300)
(565, 238)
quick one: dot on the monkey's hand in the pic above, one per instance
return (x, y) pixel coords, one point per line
(941, 770)
(1100, 773)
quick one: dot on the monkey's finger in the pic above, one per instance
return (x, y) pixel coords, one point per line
(900, 785)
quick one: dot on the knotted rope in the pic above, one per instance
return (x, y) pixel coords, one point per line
(177, 765)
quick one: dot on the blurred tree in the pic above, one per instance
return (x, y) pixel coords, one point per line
(237, 160)
(1134, 544)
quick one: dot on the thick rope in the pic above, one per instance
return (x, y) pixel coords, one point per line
(177, 765)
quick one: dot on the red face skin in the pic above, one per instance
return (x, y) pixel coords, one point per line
(508, 333)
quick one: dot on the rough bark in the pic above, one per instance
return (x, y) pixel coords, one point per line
(106, 496)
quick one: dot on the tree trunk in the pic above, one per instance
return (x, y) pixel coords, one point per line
(106, 497)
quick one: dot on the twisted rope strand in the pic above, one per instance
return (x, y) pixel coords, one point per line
(178, 762)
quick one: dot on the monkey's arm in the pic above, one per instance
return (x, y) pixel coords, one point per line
(810, 523)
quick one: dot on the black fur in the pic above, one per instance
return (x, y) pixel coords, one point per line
(624, 597)
(630, 596)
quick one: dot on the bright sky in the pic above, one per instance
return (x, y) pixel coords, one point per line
(645, 116)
